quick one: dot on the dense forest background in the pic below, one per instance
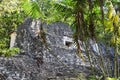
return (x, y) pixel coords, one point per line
(89, 19)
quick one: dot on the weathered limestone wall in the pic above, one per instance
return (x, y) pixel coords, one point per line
(35, 62)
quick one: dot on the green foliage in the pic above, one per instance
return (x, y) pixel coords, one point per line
(108, 78)
(92, 78)
(31, 9)
(9, 52)
(37, 8)
(11, 15)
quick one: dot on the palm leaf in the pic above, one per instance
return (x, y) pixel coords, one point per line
(61, 11)
(32, 9)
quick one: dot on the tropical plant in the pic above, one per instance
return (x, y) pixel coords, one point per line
(11, 15)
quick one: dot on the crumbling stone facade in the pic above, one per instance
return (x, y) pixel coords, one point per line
(36, 62)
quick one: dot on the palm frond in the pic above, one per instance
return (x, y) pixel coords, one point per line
(61, 11)
(32, 9)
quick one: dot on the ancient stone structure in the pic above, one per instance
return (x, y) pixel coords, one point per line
(37, 62)
(58, 61)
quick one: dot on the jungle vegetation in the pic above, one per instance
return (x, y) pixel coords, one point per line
(89, 19)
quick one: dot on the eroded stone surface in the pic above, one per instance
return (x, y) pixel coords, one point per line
(35, 62)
